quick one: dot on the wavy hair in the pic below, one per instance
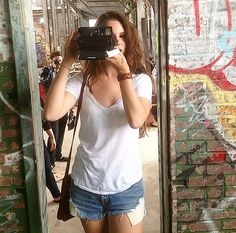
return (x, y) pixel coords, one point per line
(133, 51)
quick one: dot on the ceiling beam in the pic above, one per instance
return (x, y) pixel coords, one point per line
(74, 7)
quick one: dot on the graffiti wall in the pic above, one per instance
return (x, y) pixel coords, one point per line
(12, 192)
(42, 47)
(20, 197)
(202, 70)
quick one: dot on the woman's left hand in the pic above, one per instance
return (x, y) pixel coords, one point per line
(119, 62)
(52, 143)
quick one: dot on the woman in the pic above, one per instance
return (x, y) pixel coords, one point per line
(107, 189)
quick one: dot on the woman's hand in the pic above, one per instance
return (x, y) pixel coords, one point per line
(52, 140)
(119, 62)
(52, 143)
(71, 48)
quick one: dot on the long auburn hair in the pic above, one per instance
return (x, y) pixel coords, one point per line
(133, 51)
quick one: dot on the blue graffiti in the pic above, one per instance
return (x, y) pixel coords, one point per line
(224, 44)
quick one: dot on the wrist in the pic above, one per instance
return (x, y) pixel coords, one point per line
(125, 76)
(66, 67)
(51, 139)
(67, 63)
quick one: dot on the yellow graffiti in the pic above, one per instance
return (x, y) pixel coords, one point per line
(223, 102)
(38, 39)
(219, 96)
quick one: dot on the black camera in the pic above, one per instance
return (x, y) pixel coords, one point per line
(94, 42)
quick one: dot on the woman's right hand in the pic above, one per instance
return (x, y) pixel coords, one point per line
(71, 48)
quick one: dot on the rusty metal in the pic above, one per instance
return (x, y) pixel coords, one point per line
(164, 122)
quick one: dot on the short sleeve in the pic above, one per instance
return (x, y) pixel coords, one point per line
(143, 86)
(73, 85)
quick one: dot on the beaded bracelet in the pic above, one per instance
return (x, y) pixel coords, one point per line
(122, 77)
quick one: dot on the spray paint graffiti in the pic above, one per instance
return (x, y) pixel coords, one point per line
(12, 201)
(202, 65)
(11, 223)
(217, 60)
(42, 51)
(221, 61)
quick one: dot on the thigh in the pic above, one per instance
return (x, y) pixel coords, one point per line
(126, 210)
(95, 226)
(122, 224)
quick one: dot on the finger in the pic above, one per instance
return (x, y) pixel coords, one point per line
(75, 35)
(69, 37)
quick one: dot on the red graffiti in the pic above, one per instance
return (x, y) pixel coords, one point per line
(197, 17)
(217, 157)
(218, 77)
(229, 15)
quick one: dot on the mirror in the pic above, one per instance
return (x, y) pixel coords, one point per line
(60, 23)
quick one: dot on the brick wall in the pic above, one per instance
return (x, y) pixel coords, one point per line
(12, 192)
(21, 198)
(202, 69)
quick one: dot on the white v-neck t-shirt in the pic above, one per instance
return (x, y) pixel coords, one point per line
(107, 159)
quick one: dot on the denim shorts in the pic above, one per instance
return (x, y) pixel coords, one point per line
(91, 206)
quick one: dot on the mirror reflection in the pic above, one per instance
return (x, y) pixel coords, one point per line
(53, 22)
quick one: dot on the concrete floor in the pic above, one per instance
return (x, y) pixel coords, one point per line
(148, 147)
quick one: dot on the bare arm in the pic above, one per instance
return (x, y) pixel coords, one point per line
(58, 101)
(136, 108)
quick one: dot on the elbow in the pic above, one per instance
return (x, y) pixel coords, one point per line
(136, 124)
(137, 120)
(50, 114)
(48, 117)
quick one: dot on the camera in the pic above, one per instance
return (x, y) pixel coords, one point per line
(95, 42)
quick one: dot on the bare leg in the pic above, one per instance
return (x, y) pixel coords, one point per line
(121, 224)
(100, 226)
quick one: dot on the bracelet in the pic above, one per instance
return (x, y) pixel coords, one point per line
(122, 77)
(65, 66)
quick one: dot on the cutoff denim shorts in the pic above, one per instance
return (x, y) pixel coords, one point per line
(91, 206)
